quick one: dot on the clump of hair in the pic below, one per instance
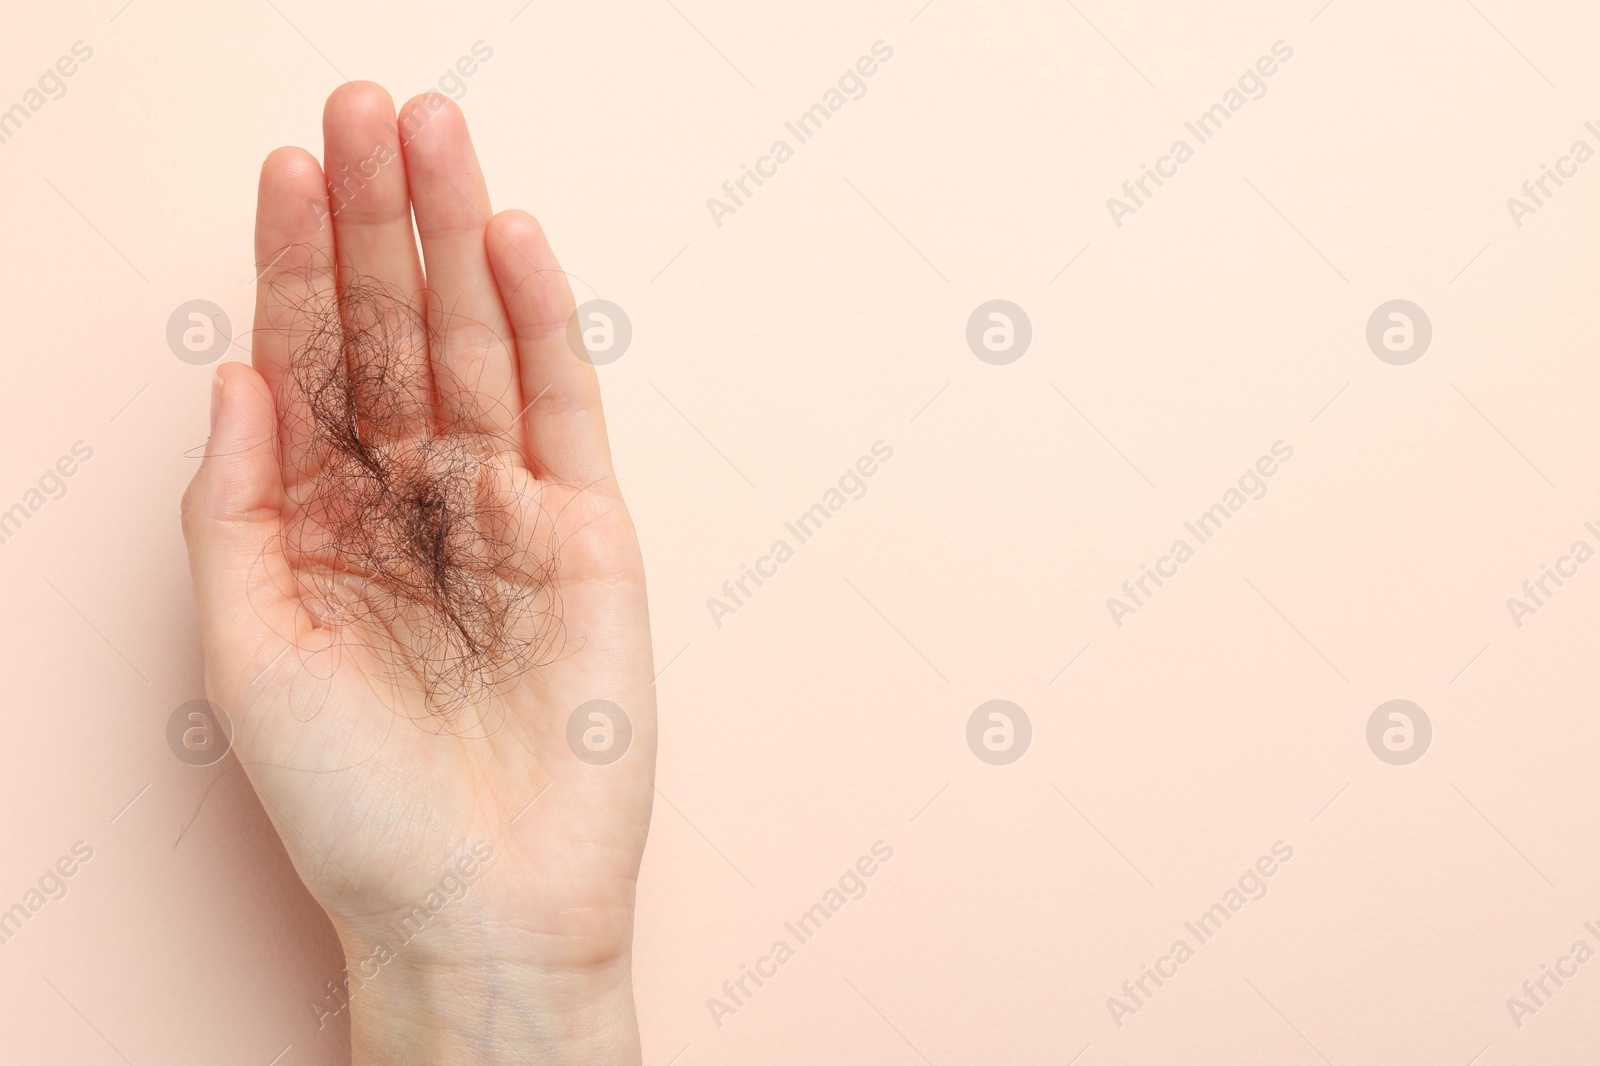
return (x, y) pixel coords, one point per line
(417, 539)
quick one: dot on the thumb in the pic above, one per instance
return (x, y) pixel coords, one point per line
(233, 523)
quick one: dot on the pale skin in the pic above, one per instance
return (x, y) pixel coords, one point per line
(376, 793)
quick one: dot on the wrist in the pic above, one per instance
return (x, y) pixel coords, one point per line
(487, 1011)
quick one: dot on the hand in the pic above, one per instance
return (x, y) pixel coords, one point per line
(403, 606)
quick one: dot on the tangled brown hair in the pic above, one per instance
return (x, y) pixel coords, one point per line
(423, 541)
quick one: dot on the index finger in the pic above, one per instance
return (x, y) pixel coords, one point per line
(295, 290)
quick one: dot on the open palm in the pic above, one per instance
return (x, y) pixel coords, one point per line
(415, 570)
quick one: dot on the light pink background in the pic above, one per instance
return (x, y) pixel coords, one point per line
(828, 313)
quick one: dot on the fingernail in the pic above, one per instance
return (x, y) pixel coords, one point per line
(216, 399)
